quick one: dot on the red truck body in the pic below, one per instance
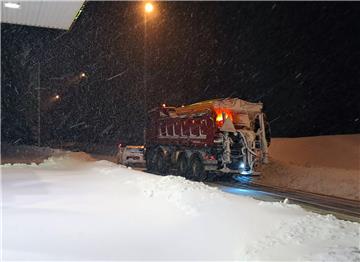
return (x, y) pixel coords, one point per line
(186, 131)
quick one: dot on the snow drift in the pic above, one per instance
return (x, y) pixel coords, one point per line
(340, 151)
(325, 165)
(73, 208)
(25, 153)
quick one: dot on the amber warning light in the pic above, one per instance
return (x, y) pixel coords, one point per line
(220, 114)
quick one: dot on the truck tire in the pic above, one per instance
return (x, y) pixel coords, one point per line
(182, 165)
(150, 165)
(161, 165)
(197, 170)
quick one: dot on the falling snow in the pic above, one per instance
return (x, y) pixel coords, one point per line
(300, 60)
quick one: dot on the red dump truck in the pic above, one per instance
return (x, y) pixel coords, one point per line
(221, 136)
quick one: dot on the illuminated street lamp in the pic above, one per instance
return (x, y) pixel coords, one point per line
(82, 75)
(149, 7)
(57, 97)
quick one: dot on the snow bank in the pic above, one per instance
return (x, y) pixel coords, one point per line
(325, 165)
(25, 154)
(73, 208)
(340, 151)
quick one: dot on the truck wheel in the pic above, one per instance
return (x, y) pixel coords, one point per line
(197, 170)
(182, 165)
(161, 166)
(150, 165)
(118, 161)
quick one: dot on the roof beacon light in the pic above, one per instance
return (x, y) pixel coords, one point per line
(12, 5)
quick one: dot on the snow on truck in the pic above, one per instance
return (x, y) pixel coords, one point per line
(221, 136)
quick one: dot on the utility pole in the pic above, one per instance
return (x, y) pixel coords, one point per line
(145, 76)
(149, 8)
(39, 110)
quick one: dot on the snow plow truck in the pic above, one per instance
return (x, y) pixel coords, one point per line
(221, 137)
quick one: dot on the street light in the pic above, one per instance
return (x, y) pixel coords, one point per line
(57, 97)
(82, 75)
(149, 7)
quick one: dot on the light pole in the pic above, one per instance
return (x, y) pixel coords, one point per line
(39, 110)
(148, 8)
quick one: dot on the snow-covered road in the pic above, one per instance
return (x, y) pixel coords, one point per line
(72, 208)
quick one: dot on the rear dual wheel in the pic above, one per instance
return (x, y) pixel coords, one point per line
(193, 169)
(161, 164)
(182, 165)
(156, 162)
(197, 169)
(150, 160)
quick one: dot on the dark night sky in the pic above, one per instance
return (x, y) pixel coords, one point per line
(300, 59)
